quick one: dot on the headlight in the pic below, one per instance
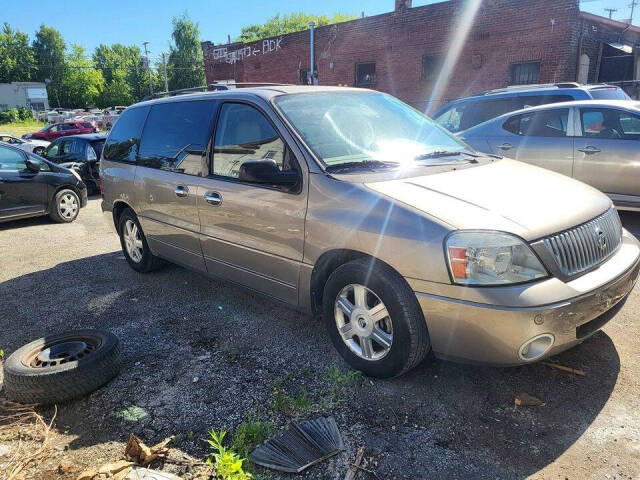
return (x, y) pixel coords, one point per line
(75, 174)
(491, 258)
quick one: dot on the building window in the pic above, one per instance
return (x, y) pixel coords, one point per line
(365, 74)
(431, 66)
(524, 73)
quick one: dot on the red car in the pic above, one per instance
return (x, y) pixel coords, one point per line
(55, 130)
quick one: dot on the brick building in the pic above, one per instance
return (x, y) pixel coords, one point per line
(403, 52)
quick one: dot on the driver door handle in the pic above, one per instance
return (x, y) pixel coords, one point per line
(213, 198)
(589, 149)
(181, 191)
(505, 146)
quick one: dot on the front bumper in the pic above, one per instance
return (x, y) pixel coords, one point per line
(472, 331)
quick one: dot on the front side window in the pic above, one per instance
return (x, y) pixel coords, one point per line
(175, 136)
(524, 73)
(365, 74)
(243, 133)
(354, 128)
(53, 149)
(540, 124)
(451, 119)
(123, 140)
(610, 124)
(44, 166)
(11, 160)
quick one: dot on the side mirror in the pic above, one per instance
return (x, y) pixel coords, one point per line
(266, 171)
(32, 166)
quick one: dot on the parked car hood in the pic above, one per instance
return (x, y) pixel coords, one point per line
(504, 195)
(38, 143)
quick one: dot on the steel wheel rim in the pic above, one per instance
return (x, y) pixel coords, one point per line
(60, 352)
(68, 206)
(133, 241)
(363, 322)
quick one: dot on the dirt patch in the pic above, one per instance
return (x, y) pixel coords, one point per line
(201, 354)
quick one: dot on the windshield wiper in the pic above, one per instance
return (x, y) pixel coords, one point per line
(369, 164)
(446, 153)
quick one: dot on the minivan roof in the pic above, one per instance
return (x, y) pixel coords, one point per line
(263, 92)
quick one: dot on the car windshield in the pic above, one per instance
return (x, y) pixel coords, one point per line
(365, 128)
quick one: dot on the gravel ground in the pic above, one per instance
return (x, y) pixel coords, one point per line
(201, 354)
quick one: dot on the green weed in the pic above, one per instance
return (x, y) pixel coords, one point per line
(228, 463)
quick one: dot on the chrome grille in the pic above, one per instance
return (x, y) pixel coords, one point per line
(580, 248)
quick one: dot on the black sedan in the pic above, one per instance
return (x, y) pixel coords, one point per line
(80, 153)
(31, 186)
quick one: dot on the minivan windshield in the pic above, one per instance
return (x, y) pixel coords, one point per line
(364, 128)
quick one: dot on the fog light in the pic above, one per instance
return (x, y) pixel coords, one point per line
(535, 347)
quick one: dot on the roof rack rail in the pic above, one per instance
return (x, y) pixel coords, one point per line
(212, 87)
(515, 88)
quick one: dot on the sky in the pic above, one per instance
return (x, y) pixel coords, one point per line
(134, 21)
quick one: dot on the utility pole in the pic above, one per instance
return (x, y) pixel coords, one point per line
(611, 11)
(632, 5)
(164, 67)
(146, 54)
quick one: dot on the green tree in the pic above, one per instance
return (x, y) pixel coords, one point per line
(48, 50)
(185, 67)
(126, 81)
(81, 83)
(16, 57)
(283, 24)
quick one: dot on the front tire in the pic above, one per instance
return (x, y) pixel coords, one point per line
(134, 244)
(374, 319)
(66, 206)
(38, 151)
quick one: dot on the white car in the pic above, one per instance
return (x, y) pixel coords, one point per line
(31, 146)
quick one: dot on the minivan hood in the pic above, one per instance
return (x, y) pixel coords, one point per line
(504, 195)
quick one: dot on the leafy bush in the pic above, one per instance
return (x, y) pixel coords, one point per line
(228, 463)
(10, 116)
(14, 115)
(25, 114)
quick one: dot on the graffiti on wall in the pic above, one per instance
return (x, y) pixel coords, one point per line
(223, 54)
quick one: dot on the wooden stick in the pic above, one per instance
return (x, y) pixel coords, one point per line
(557, 366)
(353, 468)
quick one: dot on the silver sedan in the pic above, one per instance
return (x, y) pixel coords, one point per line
(596, 142)
(27, 145)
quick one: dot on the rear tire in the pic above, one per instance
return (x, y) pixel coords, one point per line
(134, 244)
(385, 334)
(62, 367)
(65, 207)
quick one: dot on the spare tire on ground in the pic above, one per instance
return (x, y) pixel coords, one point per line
(61, 367)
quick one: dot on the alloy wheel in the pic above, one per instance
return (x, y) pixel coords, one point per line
(133, 241)
(363, 322)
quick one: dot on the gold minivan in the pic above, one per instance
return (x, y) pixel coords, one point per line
(349, 204)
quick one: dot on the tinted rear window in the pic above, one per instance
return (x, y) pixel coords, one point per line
(171, 128)
(97, 147)
(608, 94)
(124, 138)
